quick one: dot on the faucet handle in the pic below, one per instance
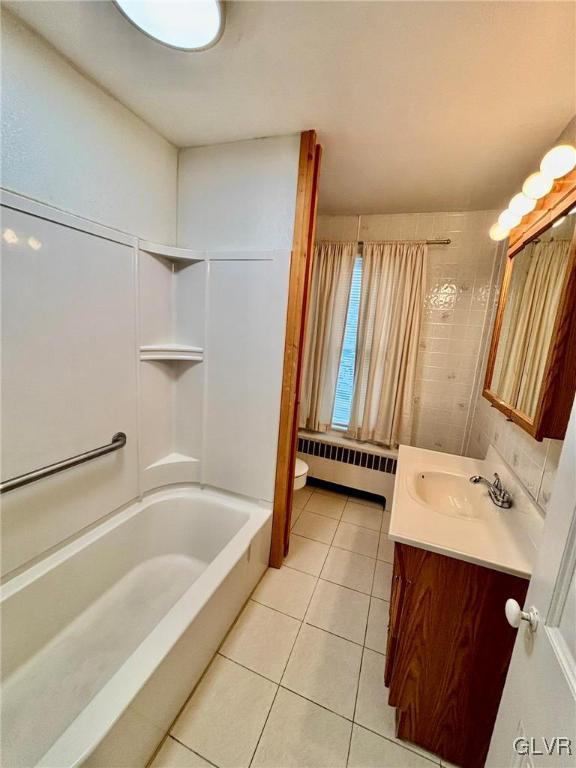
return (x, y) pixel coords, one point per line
(497, 482)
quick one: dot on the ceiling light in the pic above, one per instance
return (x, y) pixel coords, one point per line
(521, 205)
(559, 161)
(508, 219)
(10, 237)
(559, 221)
(190, 25)
(498, 232)
(537, 185)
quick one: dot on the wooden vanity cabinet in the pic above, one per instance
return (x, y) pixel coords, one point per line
(448, 650)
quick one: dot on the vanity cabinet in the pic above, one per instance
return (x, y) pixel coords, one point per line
(448, 650)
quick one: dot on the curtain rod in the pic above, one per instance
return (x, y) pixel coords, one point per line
(447, 241)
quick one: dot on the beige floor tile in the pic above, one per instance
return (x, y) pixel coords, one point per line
(367, 502)
(286, 590)
(386, 548)
(325, 669)
(261, 640)
(386, 522)
(317, 527)
(174, 755)
(224, 718)
(382, 580)
(306, 555)
(339, 610)
(333, 494)
(368, 750)
(377, 632)
(301, 496)
(358, 514)
(356, 539)
(300, 734)
(349, 569)
(372, 708)
(295, 515)
(327, 505)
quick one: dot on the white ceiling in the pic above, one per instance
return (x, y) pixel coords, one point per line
(419, 105)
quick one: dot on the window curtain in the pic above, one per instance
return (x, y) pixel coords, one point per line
(535, 303)
(391, 303)
(329, 293)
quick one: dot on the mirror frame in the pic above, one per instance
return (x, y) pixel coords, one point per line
(558, 386)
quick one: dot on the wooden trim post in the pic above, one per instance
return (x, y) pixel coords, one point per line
(300, 269)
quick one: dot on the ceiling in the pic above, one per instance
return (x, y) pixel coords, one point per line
(420, 106)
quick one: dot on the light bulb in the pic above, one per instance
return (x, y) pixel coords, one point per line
(508, 219)
(537, 185)
(498, 232)
(521, 205)
(559, 161)
(558, 222)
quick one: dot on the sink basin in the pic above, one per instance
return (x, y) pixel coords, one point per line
(449, 494)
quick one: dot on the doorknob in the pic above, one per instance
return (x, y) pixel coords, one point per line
(514, 615)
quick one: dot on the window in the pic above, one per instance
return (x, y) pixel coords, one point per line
(190, 25)
(345, 381)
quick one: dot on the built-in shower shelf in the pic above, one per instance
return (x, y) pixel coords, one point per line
(170, 252)
(172, 352)
(172, 468)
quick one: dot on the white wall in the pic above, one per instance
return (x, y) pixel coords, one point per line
(455, 312)
(67, 143)
(238, 196)
(238, 202)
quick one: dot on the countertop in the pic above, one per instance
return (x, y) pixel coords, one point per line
(502, 539)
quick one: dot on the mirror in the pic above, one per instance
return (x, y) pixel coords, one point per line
(537, 278)
(531, 370)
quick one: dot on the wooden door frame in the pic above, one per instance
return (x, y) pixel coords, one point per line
(300, 271)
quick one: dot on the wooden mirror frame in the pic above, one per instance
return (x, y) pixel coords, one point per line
(558, 386)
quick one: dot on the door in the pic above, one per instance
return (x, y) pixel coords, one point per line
(536, 723)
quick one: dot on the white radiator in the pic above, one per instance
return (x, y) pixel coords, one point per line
(357, 468)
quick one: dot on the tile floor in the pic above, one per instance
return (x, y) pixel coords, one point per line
(298, 681)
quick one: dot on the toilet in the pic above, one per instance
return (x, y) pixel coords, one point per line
(300, 474)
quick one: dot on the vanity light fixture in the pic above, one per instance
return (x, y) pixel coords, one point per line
(188, 25)
(558, 161)
(537, 185)
(521, 205)
(508, 219)
(497, 232)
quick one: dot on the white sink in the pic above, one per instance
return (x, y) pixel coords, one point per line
(437, 508)
(449, 494)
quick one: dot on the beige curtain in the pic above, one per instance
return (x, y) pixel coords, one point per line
(329, 293)
(391, 302)
(534, 305)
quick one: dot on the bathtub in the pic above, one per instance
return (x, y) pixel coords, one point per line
(104, 640)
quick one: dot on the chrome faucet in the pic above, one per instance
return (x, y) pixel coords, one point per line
(496, 490)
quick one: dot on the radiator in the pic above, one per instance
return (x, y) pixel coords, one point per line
(357, 468)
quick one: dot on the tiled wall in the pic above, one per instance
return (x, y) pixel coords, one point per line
(534, 463)
(460, 276)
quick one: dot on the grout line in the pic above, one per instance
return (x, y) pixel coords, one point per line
(194, 752)
(248, 669)
(322, 706)
(413, 748)
(283, 672)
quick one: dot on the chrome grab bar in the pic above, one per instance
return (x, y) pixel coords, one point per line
(118, 441)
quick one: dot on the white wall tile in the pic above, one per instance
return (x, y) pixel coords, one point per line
(455, 311)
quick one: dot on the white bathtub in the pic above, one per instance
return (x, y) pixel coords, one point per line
(104, 640)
